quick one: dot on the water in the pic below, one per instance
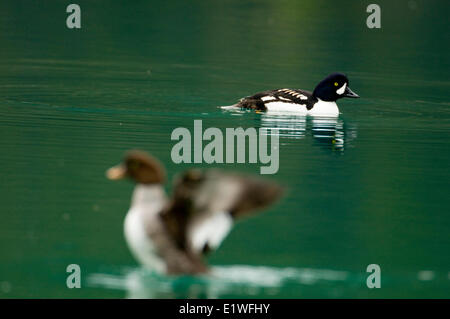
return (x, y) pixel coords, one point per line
(369, 187)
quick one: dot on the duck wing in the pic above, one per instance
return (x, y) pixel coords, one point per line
(205, 204)
(260, 100)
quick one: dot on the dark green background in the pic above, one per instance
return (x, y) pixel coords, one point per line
(72, 101)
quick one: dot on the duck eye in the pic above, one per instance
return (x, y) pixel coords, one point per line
(336, 84)
(134, 165)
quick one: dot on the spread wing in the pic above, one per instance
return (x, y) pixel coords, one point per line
(259, 100)
(205, 204)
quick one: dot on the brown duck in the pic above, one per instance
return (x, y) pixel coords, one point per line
(173, 235)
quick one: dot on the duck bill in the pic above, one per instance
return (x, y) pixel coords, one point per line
(116, 172)
(349, 93)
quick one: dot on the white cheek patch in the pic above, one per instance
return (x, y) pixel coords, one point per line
(341, 90)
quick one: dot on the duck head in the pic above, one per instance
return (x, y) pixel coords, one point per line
(140, 167)
(334, 87)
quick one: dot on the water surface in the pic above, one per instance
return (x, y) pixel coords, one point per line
(369, 187)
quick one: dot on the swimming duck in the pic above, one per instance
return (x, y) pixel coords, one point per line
(172, 235)
(321, 102)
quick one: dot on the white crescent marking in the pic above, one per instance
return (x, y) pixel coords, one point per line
(341, 90)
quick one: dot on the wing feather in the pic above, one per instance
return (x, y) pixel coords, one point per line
(258, 101)
(205, 203)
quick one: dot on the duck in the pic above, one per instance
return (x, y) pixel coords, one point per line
(321, 102)
(174, 235)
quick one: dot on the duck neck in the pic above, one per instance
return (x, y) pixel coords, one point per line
(148, 194)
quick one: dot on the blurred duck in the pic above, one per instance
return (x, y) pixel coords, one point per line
(172, 235)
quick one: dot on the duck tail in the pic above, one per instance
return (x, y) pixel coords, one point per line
(229, 107)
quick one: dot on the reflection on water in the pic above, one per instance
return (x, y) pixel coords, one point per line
(329, 132)
(256, 281)
(241, 281)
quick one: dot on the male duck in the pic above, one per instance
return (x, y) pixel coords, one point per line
(321, 102)
(172, 235)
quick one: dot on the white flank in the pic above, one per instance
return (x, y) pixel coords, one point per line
(286, 107)
(321, 108)
(141, 220)
(140, 244)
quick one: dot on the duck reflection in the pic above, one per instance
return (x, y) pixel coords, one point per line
(222, 282)
(328, 132)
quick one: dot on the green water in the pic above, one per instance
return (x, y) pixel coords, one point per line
(369, 188)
